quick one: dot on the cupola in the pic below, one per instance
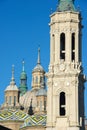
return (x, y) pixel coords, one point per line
(38, 74)
(23, 80)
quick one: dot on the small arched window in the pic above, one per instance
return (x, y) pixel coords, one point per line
(73, 46)
(36, 79)
(10, 100)
(6, 99)
(33, 79)
(62, 46)
(23, 81)
(44, 105)
(37, 103)
(62, 104)
(40, 105)
(14, 100)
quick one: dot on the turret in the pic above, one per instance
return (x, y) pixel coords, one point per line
(38, 75)
(12, 93)
(23, 81)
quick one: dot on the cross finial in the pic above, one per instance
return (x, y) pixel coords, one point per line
(38, 61)
(12, 72)
(23, 63)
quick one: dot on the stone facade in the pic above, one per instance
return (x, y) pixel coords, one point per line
(65, 97)
(62, 106)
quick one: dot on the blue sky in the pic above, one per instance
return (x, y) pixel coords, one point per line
(23, 27)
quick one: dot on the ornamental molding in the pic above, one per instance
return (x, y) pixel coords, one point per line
(64, 30)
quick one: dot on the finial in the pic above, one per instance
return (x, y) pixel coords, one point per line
(12, 79)
(12, 72)
(38, 61)
(23, 63)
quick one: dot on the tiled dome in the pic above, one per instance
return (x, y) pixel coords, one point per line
(41, 92)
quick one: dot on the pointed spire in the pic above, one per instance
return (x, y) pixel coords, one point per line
(38, 60)
(12, 79)
(23, 65)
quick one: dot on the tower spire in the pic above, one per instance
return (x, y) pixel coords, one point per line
(12, 79)
(38, 60)
(23, 65)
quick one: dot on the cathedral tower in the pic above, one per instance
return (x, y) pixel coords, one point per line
(12, 94)
(65, 97)
(38, 75)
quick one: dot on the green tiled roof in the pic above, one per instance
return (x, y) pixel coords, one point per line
(18, 115)
(12, 114)
(66, 5)
(35, 120)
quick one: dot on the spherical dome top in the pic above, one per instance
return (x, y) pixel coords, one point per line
(38, 68)
(41, 92)
(12, 88)
(23, 75)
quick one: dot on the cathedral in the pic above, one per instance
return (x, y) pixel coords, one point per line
(58, 103)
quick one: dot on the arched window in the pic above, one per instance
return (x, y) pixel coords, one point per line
(62, 46)
(14, 100)
(62, 104)
(6, 99)
(44, 105)
(41, 79)
(36, 79)
(37, 103)
(73, 46)
(10, 100)
(23, 81)
(33, 79)
(40, 105)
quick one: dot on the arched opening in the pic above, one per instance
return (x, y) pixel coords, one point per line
(44, 105)
(73, 46)
(40, 105)
(23, 81)
(62, 46)
(36, 79)
(62, 104)
(14, 100)
(10, 100)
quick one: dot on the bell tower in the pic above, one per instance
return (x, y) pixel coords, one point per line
(65, 97)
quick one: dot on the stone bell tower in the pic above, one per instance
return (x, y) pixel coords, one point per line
(65, 97)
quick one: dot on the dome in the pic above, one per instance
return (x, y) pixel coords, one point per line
(12, 87)
(23, 75)
(26, 99)
(41, 92)
(38, 68)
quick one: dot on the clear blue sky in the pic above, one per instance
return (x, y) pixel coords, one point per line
(24, 26)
